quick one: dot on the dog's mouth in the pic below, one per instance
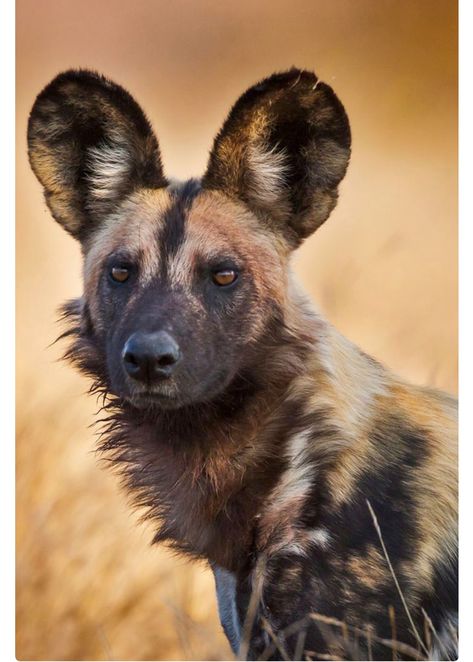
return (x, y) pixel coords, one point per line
(154, 400)
(169, 394)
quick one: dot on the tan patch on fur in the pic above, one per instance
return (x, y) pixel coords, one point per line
(436, 483)
(53, 177)
(348, 384)
(369, 570)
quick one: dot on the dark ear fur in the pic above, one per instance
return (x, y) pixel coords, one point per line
(283, 150)
(90, 145)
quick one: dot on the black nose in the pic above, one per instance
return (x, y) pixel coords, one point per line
(150, 357)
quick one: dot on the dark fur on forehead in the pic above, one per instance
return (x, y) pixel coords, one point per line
(283, 150)
(172, 232)
(90, 145)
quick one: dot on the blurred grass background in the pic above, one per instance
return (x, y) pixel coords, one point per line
(383, 269)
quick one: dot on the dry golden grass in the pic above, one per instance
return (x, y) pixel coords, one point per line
(89, 585)
(383, 269)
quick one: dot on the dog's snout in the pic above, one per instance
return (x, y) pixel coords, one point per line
(149, 357)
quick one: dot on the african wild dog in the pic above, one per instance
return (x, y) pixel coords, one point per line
(252, 431)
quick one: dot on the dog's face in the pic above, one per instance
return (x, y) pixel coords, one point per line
(185, 283)
(179, 283)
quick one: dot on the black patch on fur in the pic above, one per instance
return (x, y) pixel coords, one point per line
(402, 451)
(171, 235)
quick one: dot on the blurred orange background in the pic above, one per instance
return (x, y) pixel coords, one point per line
(383, 269)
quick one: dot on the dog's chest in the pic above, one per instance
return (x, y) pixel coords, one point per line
(205, 508)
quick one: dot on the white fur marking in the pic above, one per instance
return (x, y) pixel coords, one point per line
(320, 537)
(110, 167)
(294, 548)
(269, 168)
(297, 478)
(445, 642)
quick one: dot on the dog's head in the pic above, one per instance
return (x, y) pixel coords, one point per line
(184, 282)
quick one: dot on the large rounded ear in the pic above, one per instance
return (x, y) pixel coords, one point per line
(90, 145)
(283, 150)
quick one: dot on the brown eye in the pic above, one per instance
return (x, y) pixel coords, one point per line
(224, 277)
(119, 274)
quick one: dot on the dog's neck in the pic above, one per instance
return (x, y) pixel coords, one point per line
(203, 472)
(221, 478)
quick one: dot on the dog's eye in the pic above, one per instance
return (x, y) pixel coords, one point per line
(224, 277)
(119, 274)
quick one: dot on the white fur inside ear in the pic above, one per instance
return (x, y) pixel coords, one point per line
(269, 168)
(109, 168)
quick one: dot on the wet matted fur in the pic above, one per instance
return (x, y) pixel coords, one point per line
(319, 486)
